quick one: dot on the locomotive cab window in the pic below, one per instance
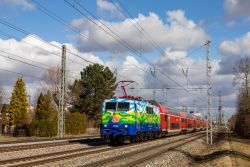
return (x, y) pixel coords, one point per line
(120, 106)
(150, 110)
(123, 106)
(111, 106)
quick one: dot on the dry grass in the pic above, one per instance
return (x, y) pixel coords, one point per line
(244, 148)
(227, 161)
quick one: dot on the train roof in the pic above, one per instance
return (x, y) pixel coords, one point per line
(169, 110)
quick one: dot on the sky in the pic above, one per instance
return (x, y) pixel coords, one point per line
(134, 39)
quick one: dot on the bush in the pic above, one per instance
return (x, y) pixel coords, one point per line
(75, 123)
(43, 128)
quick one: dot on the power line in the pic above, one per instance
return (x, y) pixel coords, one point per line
(62, 21)
(27, 33)
(138, 26)
(58, 55)
(106, 29)
(112, 34)
(141, 29)
(73, 28)
(30, 64)
(31, 76)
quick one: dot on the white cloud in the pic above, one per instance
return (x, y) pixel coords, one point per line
(237, 47)
(232, 51)
(111, 8)
(23, 3)
(47, 57)
(231, 23)
(179, 33)
(105, 5)
(177, 18)
(237, 8)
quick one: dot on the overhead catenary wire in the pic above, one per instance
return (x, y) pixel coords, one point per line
(115, 36)
(50, 66)
(48, 43)
(23, 62)
(112, 33)
(73, 28)
(138, 26)
(62, 21)
(19, 73)
(39, 47)
(107, 30)
(102, 25)
(27, 33)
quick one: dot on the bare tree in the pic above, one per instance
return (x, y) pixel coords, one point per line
(242, 78)
(242, 73)
(51, 83)
(1, 95)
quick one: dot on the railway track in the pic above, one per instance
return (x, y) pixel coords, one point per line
(137, 157)
(44, 140)
(45, 144)
(69, 154)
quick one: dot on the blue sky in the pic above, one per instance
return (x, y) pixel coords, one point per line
(211, 15)
(178, 26)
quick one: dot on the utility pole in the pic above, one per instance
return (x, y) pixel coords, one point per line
(209, 88)
(61, 115)
(153, 94)
(219, 113)
(154, 75)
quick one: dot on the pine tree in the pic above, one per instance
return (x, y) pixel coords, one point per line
(45, 123)
(19, 104)
(40, 107)
(96, 84)
(4, 115)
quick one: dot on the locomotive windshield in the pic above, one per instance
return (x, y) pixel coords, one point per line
(111, 106)
(121, 106)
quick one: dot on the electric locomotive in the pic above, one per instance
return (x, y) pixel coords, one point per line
(129, 118)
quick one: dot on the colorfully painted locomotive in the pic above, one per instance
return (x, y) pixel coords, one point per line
(135, 119)
(129, 118)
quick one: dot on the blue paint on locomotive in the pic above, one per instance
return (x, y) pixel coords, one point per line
(136, 119)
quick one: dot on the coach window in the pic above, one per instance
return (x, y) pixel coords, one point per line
(174, 126)
(166, 118)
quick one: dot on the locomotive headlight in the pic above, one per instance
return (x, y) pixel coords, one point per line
(126, 126)
(105, 126)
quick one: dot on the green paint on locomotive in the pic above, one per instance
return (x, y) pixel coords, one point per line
(137, 113)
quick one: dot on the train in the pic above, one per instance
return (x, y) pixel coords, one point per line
(134, 119)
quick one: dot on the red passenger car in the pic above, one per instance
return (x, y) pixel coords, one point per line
(175, 121)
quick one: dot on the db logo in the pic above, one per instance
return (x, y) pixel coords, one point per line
(115, 119)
